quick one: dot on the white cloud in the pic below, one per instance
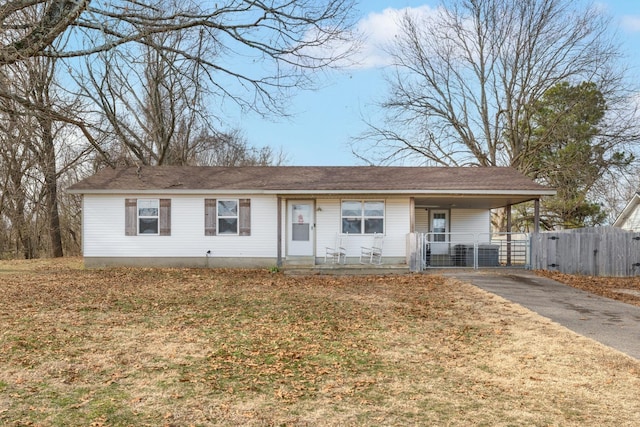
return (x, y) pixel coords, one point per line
(630, 23)
(379, 29)
(375, 31)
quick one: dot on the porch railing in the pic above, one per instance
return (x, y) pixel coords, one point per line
(468, 250)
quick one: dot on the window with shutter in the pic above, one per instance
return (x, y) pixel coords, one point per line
(147, 216)
(231, 217)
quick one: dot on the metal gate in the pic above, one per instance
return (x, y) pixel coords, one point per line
(469, 250)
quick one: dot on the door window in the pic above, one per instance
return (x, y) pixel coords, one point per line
(301, 225)
(439, 227)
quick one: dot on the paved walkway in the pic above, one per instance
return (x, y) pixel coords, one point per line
(610, 322)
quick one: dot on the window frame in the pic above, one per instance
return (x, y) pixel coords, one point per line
(156, 217)
(223, 217)
(362, 217)
(211, 217)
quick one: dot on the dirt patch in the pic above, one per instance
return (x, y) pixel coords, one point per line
(181, 347)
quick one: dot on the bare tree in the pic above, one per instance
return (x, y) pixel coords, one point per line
(29, 27)
(232, 149)
(468, 81)
(154, 110)
(148, 102)
(249, 53)
(31, 165)
(16, 164)
(466, 78)
(265, 47)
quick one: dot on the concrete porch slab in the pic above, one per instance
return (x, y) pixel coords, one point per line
(347, 269)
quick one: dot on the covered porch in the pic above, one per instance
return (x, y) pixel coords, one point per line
(455, 231)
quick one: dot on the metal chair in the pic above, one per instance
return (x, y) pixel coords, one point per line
(372, 254)
(337, 254)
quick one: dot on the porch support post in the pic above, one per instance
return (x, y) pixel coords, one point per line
(509, 235)
(279, 232)
(536, 216)
(412, 254)
(412, 214)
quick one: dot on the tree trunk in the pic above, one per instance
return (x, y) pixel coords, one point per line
(51, 187)
(23, 238)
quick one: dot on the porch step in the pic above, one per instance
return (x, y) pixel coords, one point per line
(348, 269)
(302, 261)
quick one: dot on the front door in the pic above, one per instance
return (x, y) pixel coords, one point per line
(439, 232)
(300, 228)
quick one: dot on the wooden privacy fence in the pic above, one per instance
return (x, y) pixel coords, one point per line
(601, 251)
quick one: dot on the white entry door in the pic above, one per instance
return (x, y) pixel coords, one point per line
(300, 228)
(439, 232)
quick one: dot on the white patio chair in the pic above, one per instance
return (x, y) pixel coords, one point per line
(338, 253)
(372, 254)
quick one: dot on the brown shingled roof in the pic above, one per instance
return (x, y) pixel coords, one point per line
(310, 179)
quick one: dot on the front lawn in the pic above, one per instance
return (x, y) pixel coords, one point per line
(181, 347)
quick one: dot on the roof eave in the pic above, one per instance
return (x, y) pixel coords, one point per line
(424, 193)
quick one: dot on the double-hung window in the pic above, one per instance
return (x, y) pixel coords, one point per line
(148, 216)
(362, 216)
(227, 216)
(151, 217)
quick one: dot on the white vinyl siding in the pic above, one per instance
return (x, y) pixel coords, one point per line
(629, 218)
(397, 222)
(328, 224)
(632, 223)
(104, 219)
(104, 222)
(470, 222)
(422, 220)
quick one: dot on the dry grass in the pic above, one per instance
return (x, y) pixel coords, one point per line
(213, 347)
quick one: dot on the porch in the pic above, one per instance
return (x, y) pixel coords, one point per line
(427, 251)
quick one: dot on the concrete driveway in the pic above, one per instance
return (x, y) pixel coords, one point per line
(610, 322)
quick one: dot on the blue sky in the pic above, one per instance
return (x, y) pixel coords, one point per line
(325, 120)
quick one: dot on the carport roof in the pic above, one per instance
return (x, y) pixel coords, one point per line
(424, 182)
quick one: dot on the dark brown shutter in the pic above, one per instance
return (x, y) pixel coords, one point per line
(209, 217)
(130, 217)
(165, 217)
(245, 217)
